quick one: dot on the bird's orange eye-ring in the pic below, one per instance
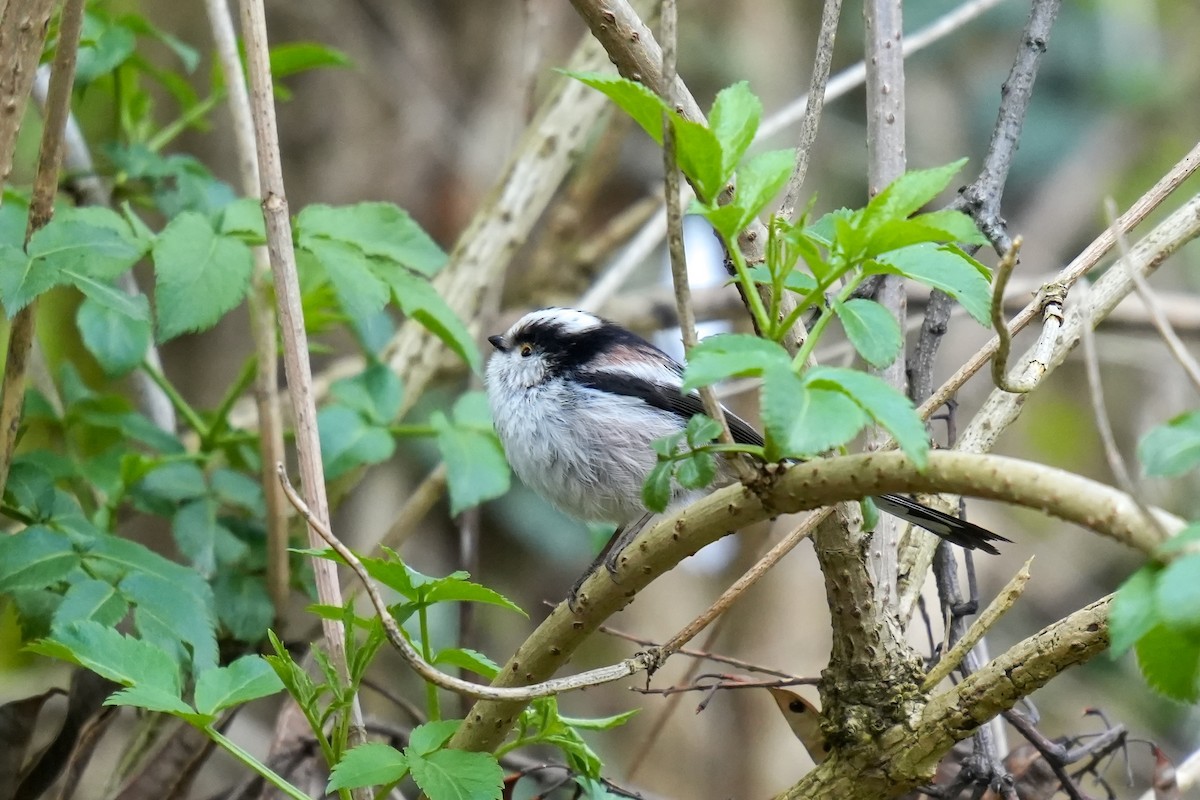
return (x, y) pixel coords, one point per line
(526, 350)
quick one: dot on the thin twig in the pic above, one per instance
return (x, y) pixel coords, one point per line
(1000, 604)
(423, 668)
(262, 315)
(1157, 316)
(701, 654)
(291, 318)
(725, 684)
(814, 104)
(1052, 297)
(41, 209)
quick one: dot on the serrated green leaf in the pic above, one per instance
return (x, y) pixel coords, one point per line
(942, 267)
(954, 226)
(884, 404)
(243, 605)
(200, 275)
(349, 441)
(116, 340)
(468, 659)
(248, 678)
(175, 481)
(644, 106)
(1186, 540)
(455, 589)
(702, 429)
(375, 393)
(476, 469)
(238, 489)
(1172, 448)
(908, 193)
(731, 355)
(656, 491)
(1134, 612)
(458, 775)
(360, 293)
(136, 307)
(1177, 592)
(244, 218)
(383, 230)
(734, 119)
(699, 156)
(370, 764)
(472, 409)
(194, 528)
(31, 488)
(112, 655)
(1170, 662)
(103, 46)
(803, 420)
(426, 738)
(420, 301)
(796, 280)
(35, 558)
(696, 471)
(759, 180)
(290, 58)
(872, 329)
(164, 615)
(90, 599)
(154, 698)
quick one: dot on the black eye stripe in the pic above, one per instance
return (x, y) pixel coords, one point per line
(568, 352)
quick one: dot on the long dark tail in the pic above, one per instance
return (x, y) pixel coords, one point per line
(952, 529)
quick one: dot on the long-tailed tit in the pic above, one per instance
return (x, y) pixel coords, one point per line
(577, 401)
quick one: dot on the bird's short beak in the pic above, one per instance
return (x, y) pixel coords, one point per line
(497, 342)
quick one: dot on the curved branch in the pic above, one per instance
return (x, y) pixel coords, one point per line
(785, 490)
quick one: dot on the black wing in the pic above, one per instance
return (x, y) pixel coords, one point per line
(667, 398)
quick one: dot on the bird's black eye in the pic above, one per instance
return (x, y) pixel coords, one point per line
(526, 350)
(797, 707)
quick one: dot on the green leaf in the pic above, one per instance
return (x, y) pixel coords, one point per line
(804, 420)
(244, 218)
(872, 329)
(108, 653)
(633, 98)
(796, 281)
(377, 229)
(731, 355)
(35, 558)
(1173, 448)
(136, 307)
(64, 249)
(370, 764)
(1170, 661)
(1134, 612)
(696, 471)
(600, 723)
(1178, 595)
(702, 429)
(194, 528)
(90, 599)
(200, 275)
(237, 489)
(656, 491)
(1186, 540)
(908, 193)
(243, 606)
(103, 46)
(455, 589)
(165, 615)
(349, 441)
(154, 698)
(175, 481)
(458, 775)
(293, 57)
(375, 393)
(759, 180)
(468, 659)
(116, 340)
(884, 404)
(734, 120)
(942, 267)
(699, 156)
(246, 679)
(360, 293)
(427, 738)
(476, 469)
(420, 301)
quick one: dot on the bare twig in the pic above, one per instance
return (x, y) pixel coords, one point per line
(41, 208)
(262, 316)
(291, 317)
(423, 668)
(700, 654)
(831, 11)
(1157, 316)
(1000, 604)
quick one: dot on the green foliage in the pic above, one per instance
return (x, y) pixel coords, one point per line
(685, 459)
(476, 469)
(1157, 612)
(541, 723)
(1172, 448)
